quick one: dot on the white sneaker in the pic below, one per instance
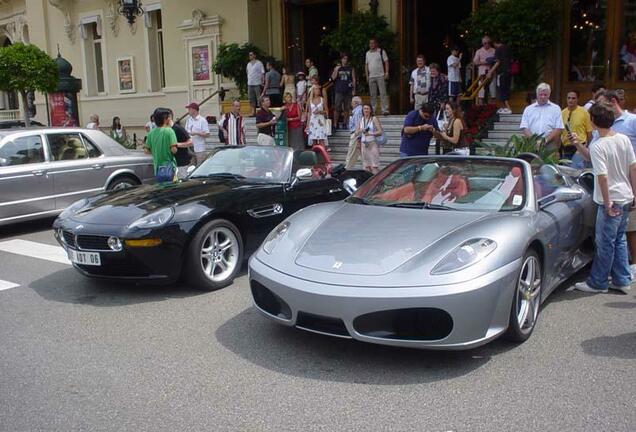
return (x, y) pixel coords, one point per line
(632, 268)
(624, 289)
(583, 286)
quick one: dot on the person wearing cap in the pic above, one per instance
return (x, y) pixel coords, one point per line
(198, 128)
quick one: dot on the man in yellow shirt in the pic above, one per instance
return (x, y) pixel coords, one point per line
(577, 119)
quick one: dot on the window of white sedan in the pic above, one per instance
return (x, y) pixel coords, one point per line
(66, 146)
(447, 183)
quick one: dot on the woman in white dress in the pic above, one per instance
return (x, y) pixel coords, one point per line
(368, 129)
(316, 113)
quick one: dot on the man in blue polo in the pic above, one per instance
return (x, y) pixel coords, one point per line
(418, 131)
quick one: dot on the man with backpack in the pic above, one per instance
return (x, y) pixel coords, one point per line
(376, 66)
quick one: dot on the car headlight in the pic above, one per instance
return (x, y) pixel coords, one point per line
(274, 237)
(74, 208)
(154, 220)
(465, 255)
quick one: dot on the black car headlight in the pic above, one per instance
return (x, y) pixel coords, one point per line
(74, 208)
(274, 237)
(154, 220)
(468, 253)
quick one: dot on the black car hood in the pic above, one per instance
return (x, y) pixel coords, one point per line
(126, 206)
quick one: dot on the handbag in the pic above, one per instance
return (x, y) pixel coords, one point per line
(165, 173)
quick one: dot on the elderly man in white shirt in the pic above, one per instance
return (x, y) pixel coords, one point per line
(198, 128)
(543, 117)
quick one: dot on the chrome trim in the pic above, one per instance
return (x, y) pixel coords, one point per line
(51, 197)
(323, 333)
(30, 215)
(267, 211)
(77, 246)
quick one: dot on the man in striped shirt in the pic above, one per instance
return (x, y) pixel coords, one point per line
(232, 126)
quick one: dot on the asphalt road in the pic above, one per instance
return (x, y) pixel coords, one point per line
(83, 355)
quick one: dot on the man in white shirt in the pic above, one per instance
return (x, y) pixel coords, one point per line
(376, 66)
(198, 128)
(255, 80)
(93, 122)
(543, 117)
(419, 83)
(614, 167)
(454, 64)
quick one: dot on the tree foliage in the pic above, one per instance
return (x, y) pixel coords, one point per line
(353, 34)
(232, 60)
(528, 27)
(25, 68)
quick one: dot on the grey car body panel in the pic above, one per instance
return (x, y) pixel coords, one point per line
(34, 190)
(385, 257)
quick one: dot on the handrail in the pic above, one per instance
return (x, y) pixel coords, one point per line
(221, 91)
(477, 85)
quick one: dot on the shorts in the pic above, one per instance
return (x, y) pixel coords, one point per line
(631, 222)
(454, 88)
(276, 99)
(420, 101)
(254, 94)
(503, 86)
(342, 101)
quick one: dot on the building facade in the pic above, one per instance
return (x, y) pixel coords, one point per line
(165, 58)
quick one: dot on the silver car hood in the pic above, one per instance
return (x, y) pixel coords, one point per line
(372, 241)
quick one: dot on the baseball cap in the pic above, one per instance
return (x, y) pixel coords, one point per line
(193, 105)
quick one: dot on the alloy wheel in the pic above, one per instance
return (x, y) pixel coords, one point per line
(528, 294)
(219, 254)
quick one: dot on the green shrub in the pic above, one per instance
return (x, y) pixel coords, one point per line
(232, 60)
(528, 27)
(352, 37)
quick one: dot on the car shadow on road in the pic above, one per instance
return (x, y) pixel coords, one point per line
(22, 228)
(303, 354)
(622, 346)
(68, 286)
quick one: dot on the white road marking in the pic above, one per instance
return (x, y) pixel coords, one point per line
(35, 250)
(5, 285)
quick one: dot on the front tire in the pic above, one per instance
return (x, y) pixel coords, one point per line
(526, 301)
(215, 255)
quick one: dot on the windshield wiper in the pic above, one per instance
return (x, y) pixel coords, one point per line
(356, 200)
(420, 205)
(225, 174)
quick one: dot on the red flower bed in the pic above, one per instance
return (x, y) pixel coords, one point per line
(478, 119)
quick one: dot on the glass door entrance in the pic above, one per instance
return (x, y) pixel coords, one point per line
(600, 46)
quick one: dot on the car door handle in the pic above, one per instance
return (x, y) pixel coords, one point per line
(97, 166)
(336, 190)
(38, 172)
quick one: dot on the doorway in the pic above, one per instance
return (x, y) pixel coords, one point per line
(432, 31)
(600, 46)
(306, 22)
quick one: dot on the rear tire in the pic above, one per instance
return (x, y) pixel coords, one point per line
(122, 182)
(215, 255)
(524, 312)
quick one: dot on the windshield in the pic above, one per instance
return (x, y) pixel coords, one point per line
(254, 163)
(450, 183)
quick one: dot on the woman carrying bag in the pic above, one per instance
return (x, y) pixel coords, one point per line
(452, 135)
(369, 131)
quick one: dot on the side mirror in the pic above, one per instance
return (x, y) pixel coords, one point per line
(190, 169)
(559, 196)
(350, 185)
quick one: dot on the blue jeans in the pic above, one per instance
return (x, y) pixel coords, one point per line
(611, 256)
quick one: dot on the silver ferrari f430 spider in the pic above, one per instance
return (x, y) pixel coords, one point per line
(439, 252)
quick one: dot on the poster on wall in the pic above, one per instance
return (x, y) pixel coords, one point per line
(126, 75)
(63, 109)
(200, 63)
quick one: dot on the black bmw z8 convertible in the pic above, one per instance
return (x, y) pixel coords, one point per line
(202, 227)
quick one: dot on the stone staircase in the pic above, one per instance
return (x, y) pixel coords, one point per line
(506, 126)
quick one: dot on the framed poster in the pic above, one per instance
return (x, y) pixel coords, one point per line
(126, 75)
(201, 63)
